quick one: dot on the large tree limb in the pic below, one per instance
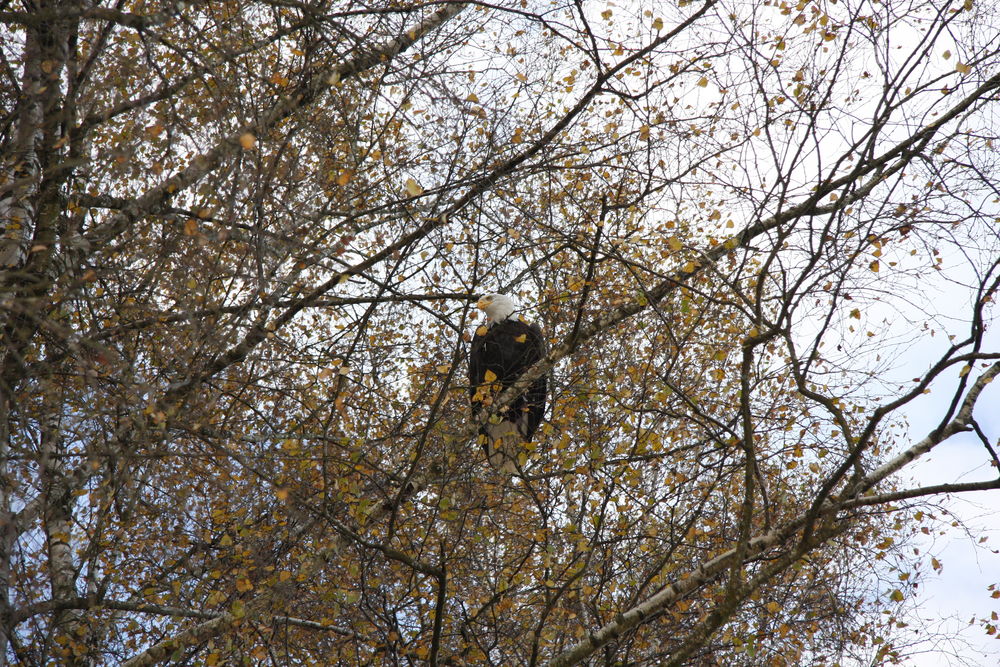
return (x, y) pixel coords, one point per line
(961, 422)
(745, 552)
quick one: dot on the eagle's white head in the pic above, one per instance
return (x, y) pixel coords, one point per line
(497, 307)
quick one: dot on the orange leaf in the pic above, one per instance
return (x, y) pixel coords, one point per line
(413, 188)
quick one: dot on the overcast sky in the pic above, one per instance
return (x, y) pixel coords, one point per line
(949, 599)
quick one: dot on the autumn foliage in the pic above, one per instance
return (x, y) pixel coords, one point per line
(241, 247)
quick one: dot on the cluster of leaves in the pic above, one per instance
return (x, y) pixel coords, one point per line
(241, 245)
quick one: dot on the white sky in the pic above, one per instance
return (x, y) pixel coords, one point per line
(949, 599)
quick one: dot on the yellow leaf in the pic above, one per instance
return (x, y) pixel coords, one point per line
(874, 266)
(284, 575)
(522, 338)
(481, 331)
(773, 607)
(856, 314)
(644, 132)
(962, 68)
(413, 188)
(689, 267)
(190, 227)
(212, 659)
(702, 82)
(489, 376)
(243, 585)
(946, 54)
(345, 177)
(674, 243)
(247, 140)
(896, 595)
(658, 24)
(472, 98)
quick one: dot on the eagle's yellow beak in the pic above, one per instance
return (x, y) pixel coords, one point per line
(483, 303)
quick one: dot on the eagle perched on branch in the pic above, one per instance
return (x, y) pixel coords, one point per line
(502, 349)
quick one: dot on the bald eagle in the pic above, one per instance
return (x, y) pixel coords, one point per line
(502, 350)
